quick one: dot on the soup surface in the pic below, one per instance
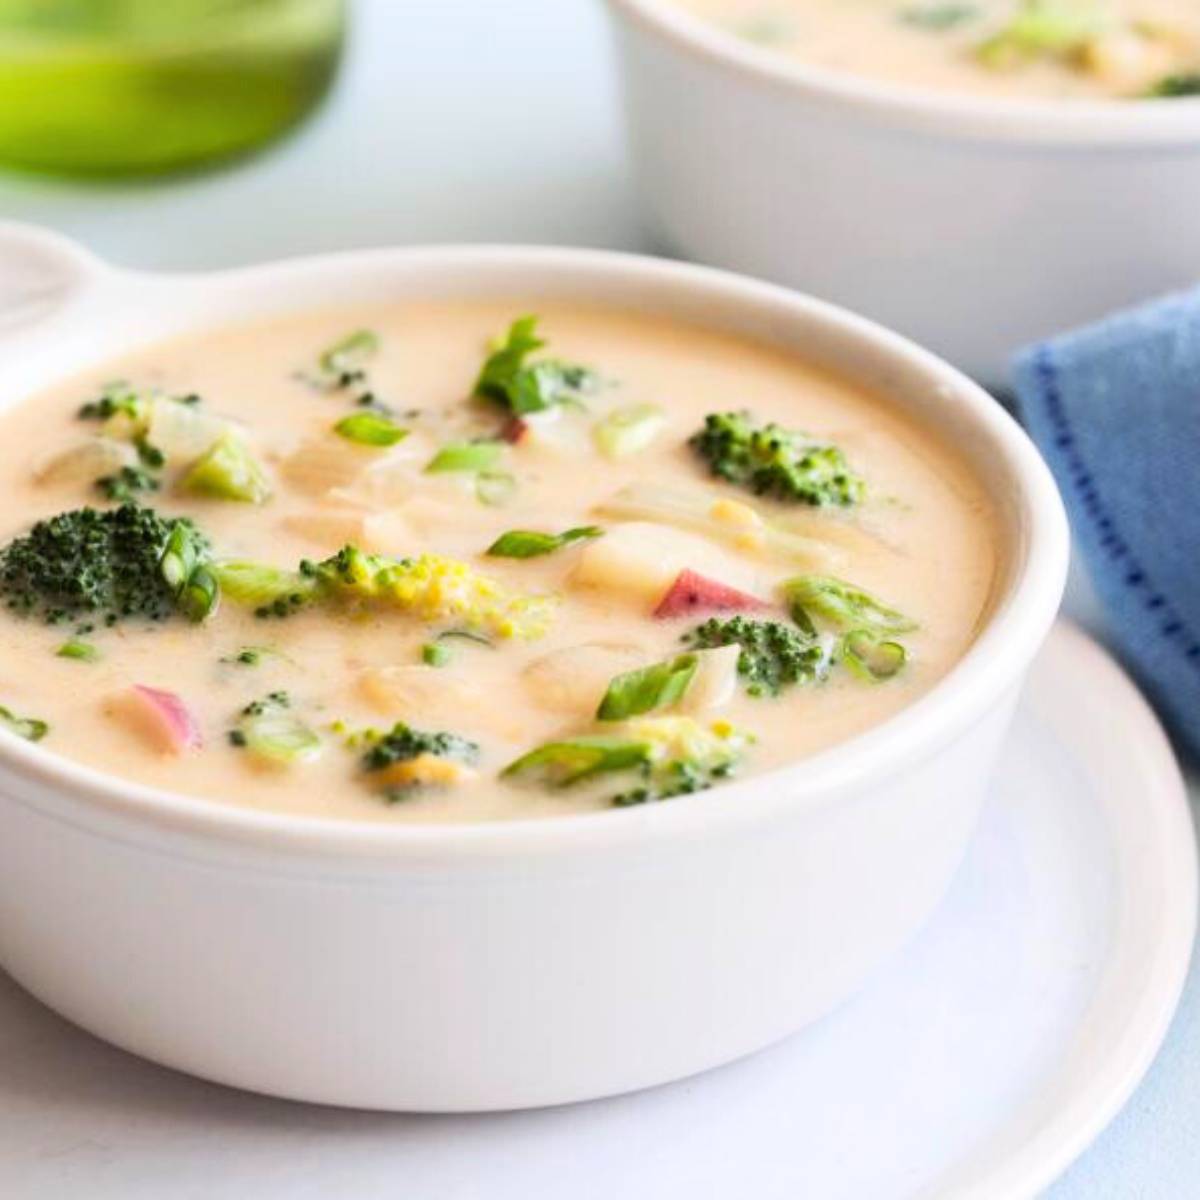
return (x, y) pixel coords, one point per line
(1087, 49)
(434, 571)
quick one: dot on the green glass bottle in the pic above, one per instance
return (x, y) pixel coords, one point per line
(135, 87)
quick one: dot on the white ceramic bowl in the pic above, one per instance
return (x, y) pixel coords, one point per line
(504, 965)
(972, 225)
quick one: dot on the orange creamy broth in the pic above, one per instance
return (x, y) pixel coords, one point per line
(1124, 48)
(924, 541)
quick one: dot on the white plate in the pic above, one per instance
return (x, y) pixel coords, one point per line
(978, 1065)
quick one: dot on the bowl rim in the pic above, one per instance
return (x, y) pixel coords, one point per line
(1079, 124)
(36, 776)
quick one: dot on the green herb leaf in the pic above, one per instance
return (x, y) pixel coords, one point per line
(228, 471)
(872, 657)
(370, 429)
(658, 686)
(560, 764)
(81, 651)
(29, 728)
(527, 388)
(527, 543)
(466, 456)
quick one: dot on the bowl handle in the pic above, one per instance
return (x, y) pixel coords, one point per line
(40, 272)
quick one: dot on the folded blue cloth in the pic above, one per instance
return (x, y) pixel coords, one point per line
(1115, 408)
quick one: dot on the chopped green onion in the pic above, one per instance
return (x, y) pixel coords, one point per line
(200, 595)
(1040, 27)
(939, 16)
(81, 651)
(370, 429)
(560, 764)
(527, 543)
(658, 686)
(466, 456)
(29, 728)
(278, 737)
(258, 586)
(495, 488)
(228, 471)
(179, 557)
(842, 605)
(434, 654)
(872, 657)
(628, 430)
(346, 357)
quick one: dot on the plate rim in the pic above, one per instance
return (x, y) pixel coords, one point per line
(1037, 1162)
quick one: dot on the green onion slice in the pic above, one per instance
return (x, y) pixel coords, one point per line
(842, 605)
(350, 352)
(78, 650)
(29, 728)
(466, 456)
(370, 429)
(495, 488)
(528, 543)
(435, 654)
(279, 737)
(561, 764)
(648, 688)
(872, 657)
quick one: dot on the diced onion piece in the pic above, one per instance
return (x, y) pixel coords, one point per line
(415, 694)
(162, 719)
(641, 560)
(325, 463)
(715, 681)
(695, 593)
(85, 462)
(714, 517)
(628, 430)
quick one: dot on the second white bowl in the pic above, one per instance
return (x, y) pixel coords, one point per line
(972, 225)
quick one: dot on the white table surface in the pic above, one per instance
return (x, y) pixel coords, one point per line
(455, 120)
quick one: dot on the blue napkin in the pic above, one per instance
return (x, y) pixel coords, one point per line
(1115, 409)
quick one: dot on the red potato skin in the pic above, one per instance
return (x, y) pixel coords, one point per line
(513, 430)
(692, 593)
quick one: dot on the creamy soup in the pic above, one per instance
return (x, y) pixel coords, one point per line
(433, 570)
(1093, 49)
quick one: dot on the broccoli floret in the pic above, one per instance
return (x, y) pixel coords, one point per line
(123, 485)
(774, 655)
(405, 743)
(428, 587)
(1175, 87)
(126, 562)
(773, 461)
